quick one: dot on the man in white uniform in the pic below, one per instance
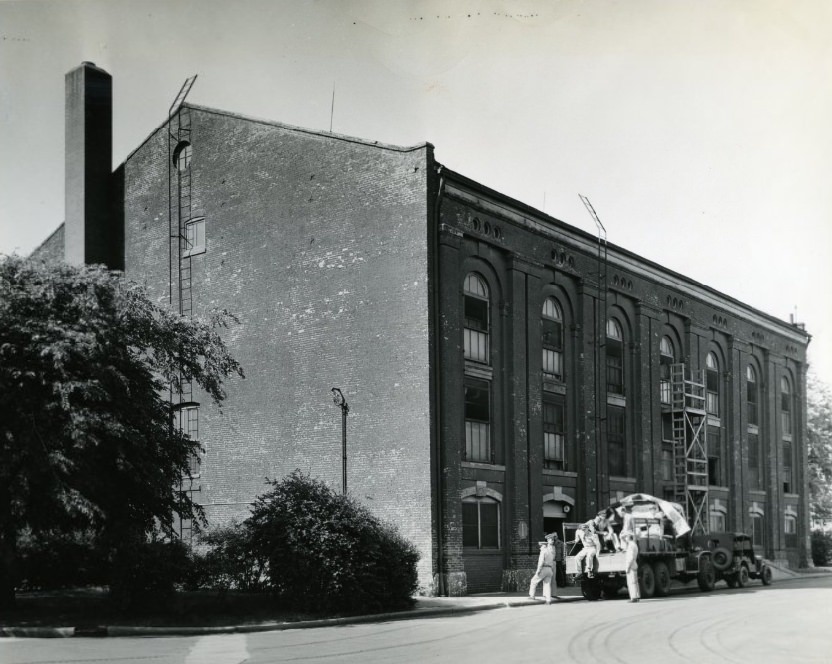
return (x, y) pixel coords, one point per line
(631, 565)
(591, 544)
(545, 570)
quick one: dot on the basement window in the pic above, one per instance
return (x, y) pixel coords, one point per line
(194, 237)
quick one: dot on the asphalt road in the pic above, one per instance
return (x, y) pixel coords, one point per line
(789, 622)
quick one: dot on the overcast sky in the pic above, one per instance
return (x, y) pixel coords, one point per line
(700, 130)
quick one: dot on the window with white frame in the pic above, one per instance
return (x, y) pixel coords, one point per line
(194, 237)
(186, 420)
(615, 357)
(478, 421)
(552, 338)
(480, 523)
(476, 328)
(712, 385)
(666, 359)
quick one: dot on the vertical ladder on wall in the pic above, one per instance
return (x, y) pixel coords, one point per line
(179, 215)
(690, 450)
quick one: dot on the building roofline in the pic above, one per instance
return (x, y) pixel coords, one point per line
(279, 125)
(587, 238)
(48, 237)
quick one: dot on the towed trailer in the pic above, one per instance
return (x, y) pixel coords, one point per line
(662, 558)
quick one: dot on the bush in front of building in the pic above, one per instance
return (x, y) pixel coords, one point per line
(326, 552)
(224, 559)
(55, 560)
(821, 548)
(145, 573)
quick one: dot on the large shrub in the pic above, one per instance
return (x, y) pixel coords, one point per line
(225, 560)
(48, 561)
(145, 573)
(325, 550)
(821, 548)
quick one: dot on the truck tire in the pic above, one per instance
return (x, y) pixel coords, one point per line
(721, 559)
(766, 575)
(742, 576)
(646, 581)
(706, 577)
(591, 589)
(662, 578)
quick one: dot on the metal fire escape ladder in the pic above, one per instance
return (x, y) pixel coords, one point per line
(690, 449)
(179, 215)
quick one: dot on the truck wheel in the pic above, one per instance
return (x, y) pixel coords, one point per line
(721, 558)
(662, 578)
(766, 575)
(706, 576)
(646, 581)
(742, 576)
(590, 589)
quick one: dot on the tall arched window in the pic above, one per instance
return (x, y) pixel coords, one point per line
(751, 396)
(552, 338)
(786, 406)
(666, 359)
(712, 385)
(752, 401)
(786, 425)
(615, 357)
(476, 332)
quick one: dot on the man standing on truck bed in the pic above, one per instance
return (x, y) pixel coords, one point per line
(631, 564)
(545, 570)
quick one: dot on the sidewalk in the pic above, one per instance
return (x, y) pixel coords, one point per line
(424, 607)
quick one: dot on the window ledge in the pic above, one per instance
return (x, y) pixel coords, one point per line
(483, 466)
(471, 551)
(617, 400)
(714, 421)
(791, 495)
(761, 492)
(754, 428)
(562, 473)
(718, 487)
(478, 370)
(619, 478)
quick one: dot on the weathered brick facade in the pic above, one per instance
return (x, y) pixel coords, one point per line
(346, 263)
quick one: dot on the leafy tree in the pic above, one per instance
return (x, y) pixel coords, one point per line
(819, 435)
(324, 549)
(87, 367)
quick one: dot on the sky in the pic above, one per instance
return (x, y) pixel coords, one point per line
(699, 129)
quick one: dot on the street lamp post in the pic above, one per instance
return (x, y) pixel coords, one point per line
(341, 402)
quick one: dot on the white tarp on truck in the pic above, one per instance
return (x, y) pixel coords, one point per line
(642, 504)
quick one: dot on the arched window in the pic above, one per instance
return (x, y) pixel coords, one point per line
(790, 530)
(758, 532)
(476, 332)
(182, 156)
(552, 338)
(666, 359)
(712, 385)
(615, 357)
(751, 396)
(480, 522)
(786, 405)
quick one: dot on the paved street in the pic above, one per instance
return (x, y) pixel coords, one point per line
(787, 622)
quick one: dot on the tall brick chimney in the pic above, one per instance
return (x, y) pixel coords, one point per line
(91, 234)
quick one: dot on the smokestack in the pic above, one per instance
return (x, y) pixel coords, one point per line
(90, 229)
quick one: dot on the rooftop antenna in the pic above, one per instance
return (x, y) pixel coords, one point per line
(332, 108)
(601, 332)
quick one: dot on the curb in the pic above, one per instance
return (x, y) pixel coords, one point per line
(124, 630)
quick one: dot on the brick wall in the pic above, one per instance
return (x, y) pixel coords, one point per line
(52, 248)
(318, 245)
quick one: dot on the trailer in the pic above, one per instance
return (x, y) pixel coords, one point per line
(663, 557)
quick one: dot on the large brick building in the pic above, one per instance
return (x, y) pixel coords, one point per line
(505, 371)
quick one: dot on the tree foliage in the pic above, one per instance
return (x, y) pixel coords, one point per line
(87, 365)
(324, 549)
(819, 442)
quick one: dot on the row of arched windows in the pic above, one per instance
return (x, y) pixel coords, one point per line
(556, 450)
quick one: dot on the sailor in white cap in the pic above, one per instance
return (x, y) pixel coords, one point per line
(545, 569)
